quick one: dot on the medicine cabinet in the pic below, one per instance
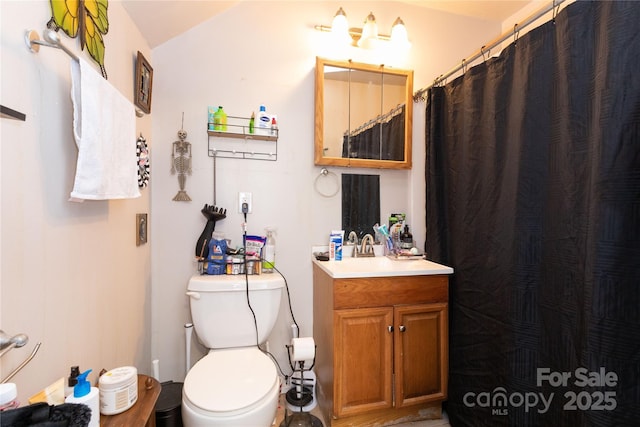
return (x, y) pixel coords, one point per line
(363, 114)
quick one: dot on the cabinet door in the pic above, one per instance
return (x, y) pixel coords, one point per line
(362, 360)
(421, 353)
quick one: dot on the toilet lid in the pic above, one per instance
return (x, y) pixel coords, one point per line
(229, 380)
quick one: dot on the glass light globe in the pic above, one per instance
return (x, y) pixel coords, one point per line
(369, 38)
(399, 36)
(340, 27)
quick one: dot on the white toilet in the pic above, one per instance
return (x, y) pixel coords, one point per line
(235, 384)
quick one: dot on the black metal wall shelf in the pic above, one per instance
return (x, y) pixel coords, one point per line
(239, 142)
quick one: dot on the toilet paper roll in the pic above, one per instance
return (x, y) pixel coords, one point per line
(303, 349)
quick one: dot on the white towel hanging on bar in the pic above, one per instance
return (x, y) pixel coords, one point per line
(104, 130)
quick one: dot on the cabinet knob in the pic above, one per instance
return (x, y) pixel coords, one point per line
(402, 328)
(390, 328)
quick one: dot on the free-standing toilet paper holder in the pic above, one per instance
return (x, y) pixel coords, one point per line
(301, 394)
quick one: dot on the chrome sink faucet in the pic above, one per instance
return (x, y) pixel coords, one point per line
(366, 247)
(353, 238)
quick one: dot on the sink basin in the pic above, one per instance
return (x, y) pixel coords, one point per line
(380, 266)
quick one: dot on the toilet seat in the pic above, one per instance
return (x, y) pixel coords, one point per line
(230, 381)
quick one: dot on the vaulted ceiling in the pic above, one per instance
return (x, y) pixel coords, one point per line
(167, 19)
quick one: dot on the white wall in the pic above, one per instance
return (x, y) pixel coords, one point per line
(264, 52)
(72, 277)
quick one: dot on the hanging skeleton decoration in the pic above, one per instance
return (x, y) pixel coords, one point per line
(181, 162)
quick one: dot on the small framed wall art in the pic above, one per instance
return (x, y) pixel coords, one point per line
(144, 84)
(141, 229)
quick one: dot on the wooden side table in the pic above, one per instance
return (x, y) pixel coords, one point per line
(142, 413)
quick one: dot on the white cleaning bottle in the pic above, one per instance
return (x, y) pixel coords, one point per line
(264, 121)
(90, 396)
(269, 254)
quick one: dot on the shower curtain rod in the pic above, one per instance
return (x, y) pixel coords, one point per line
(486, 49)
(381, 118)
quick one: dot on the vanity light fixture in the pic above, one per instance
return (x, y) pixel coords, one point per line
(366, 37)
(369, 37)
(399, 35)
(340, 27)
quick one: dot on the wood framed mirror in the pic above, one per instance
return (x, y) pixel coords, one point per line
(363, 115)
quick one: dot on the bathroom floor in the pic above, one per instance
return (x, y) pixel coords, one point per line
(444, 422)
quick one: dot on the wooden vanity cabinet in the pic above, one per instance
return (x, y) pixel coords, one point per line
(421, 354)
(363, 354)
(382, 347)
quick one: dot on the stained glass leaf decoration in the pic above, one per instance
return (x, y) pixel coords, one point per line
(87, 18)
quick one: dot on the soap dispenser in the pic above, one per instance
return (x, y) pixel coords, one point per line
(87, 395)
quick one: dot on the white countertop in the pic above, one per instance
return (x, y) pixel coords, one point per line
(380, 266)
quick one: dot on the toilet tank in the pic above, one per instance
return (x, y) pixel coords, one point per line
(220, 312)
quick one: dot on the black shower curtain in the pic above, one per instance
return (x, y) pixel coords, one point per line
(533, 197)
(382, 141)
